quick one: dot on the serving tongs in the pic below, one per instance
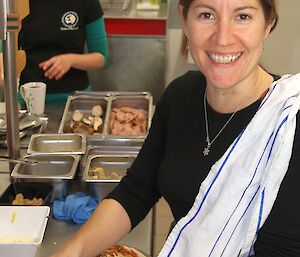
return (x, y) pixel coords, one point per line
(22, 161)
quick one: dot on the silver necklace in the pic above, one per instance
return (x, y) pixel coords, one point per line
(209, 142)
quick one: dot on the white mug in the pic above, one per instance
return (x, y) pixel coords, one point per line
(34, 95)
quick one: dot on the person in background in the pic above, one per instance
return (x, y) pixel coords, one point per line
(223, 148)
(53, 36)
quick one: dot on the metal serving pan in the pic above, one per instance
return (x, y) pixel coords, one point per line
(110, 150)
(140, 101)
(29, 191)
(59, 170)
(113, 167)
(47, 168)
(95, 141)
(84, 101)
(71, 143)
(83, 104)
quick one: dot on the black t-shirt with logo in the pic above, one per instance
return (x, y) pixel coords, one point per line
(56, 27)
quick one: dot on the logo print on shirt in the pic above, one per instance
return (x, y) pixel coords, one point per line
(70, 20)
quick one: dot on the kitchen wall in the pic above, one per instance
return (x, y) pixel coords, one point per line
(282, 48)
(176, 64)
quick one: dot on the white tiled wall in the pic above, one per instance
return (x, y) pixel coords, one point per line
(176, 63)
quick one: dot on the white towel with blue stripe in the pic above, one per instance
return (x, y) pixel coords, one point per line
(237, 195)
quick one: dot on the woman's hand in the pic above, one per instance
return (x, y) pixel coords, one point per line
(57, 66)
(106, 227)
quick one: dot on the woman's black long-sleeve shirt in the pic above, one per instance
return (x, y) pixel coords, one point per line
(171, 164)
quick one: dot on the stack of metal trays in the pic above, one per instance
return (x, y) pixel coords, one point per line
(52, 158)
(115, 5)
(125, 115)
(28, 124)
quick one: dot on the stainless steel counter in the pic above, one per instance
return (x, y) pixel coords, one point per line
(57, 231)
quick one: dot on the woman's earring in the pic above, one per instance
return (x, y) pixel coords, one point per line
(187, 44)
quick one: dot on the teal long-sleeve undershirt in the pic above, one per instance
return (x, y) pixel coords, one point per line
(96, 38)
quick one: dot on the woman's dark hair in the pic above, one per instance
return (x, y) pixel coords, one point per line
(270, 13)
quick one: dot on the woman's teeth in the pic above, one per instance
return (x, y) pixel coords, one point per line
(224, 59)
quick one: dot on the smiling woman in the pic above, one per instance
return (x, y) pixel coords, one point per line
(226, 42)
(269, 8)
(232, 179)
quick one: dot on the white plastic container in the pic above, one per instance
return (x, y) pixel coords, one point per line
(22, 229)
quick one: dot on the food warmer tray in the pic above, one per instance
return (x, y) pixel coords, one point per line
(84, 102)
(107, 168)
(48, 168)
(109, 150)
(57, 144)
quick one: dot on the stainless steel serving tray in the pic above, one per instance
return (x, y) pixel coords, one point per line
(118, 142)
(109, 149)
(84, 101)
(111, 164)
(47, 168)
(83, 104)
(71, 143)
(139, 102)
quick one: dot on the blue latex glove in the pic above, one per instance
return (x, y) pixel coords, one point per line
(77, 207)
